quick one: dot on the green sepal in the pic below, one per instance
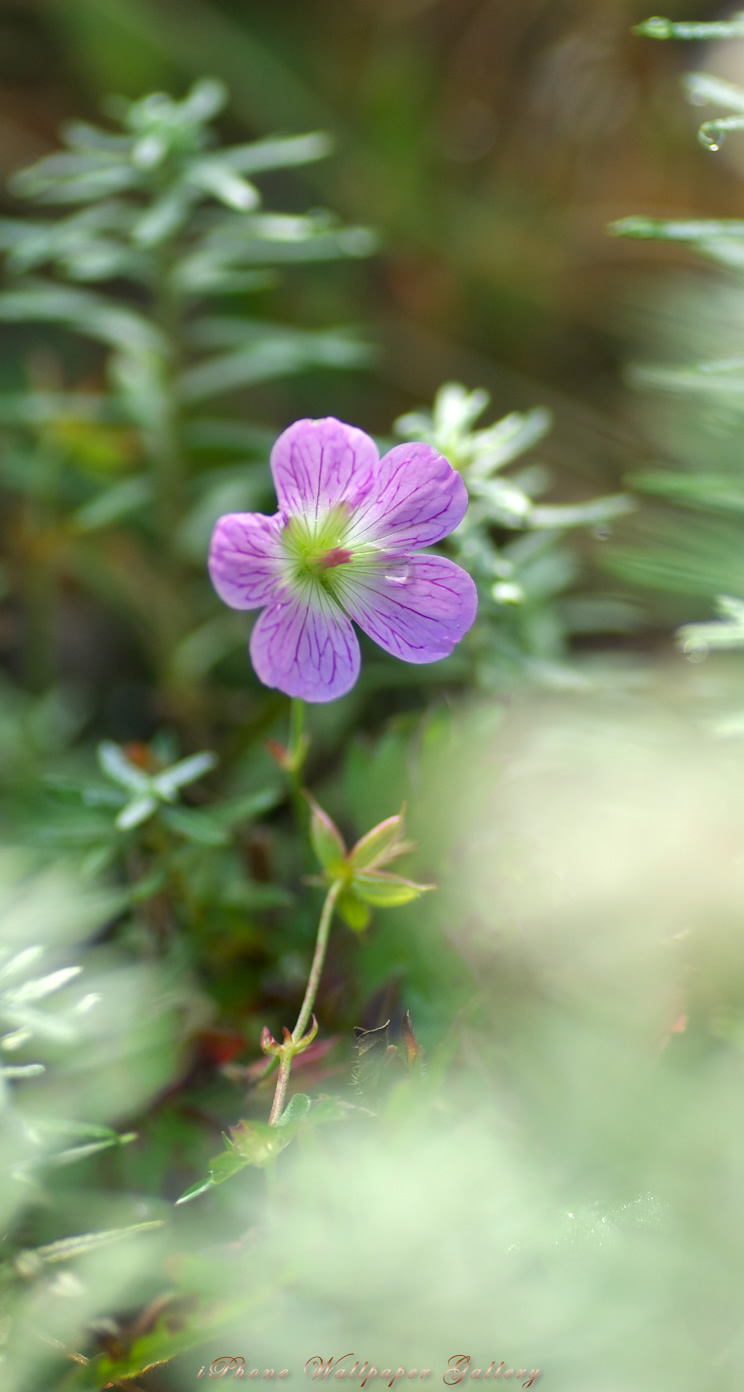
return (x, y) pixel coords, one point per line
(383, 843)
(385, 890)
(327, 841)
(355, 914)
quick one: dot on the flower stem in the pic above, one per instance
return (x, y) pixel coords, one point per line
(297, 744)
(277, 1106)
(313, 981)
(295, 760)
(296, 720)
(321, 943)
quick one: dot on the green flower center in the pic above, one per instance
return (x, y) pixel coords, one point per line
(315, 548)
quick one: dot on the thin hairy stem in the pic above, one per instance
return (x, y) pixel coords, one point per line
(306, 1009)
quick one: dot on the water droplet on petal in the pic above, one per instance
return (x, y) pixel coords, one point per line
(398, 574)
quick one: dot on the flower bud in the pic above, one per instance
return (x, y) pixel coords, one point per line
(268, 1042)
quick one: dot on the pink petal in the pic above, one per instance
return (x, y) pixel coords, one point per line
(417, 499)
(246, 560)
(418, 611)
(304, 645)
(319, 463)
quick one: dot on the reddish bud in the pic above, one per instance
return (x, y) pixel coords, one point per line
(268, 1042)
(279, 753)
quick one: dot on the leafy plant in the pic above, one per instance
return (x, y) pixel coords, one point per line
(55, 1111)
(689, 539)
(156, 244)
(513, 545)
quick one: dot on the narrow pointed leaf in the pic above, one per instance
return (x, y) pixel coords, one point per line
(115, 763)
(184, 772)
(136, 812)
(704, 87)
(278, 154)
(77, 1246)
(196, 826)
(296, 1110)
(42, 986)
(660, 28)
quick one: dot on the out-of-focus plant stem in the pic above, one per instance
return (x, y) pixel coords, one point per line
(296, 751)
(38, 576)
(311, 990)
(170, 472)
(296, 719)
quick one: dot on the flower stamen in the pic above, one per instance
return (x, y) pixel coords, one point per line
(338, 555)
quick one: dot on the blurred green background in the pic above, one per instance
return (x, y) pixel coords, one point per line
(571, 1158)
(488, 143)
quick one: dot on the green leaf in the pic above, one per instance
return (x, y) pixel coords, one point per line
(386, 890)
(279, 153)
(677, 229)
(29, 1262)
(115, 763)
(205, 276)
(149, 885)
(46, 184)
(296, 1110)
(41, 986)
(164, 217)
(136, 812)
(712, 133)
(659, 28)
(250, 1143)
(168, 1339)
(276, 238)
(215, 175)
(115, 503)
(195, 825)
(256, 1143)
(245, 809)
(184, 772)
(589, 514)
(82, 135)
(717, 377)
(274, 353)
(248, 895)
(704, 87)
(88, 313)
(73, 1154)
(724, 492)
(207, 98)
(724, 633)
(88, 1130)
(505, 503)
(207, 435)
(201, 1187)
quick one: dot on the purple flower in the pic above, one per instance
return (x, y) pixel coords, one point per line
(341, 547)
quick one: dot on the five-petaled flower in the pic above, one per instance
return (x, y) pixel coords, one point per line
(339, 548)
